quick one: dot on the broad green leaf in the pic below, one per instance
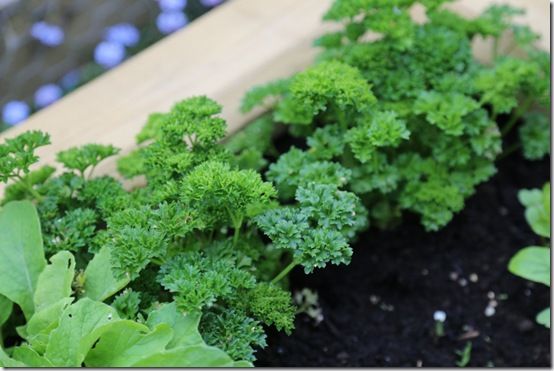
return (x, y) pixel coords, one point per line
(30, 357)
(54, 282)
(81, 324)
(100, 281)
(185, 326)
(7, 361)
(188, 356)
(532, 263)
(543, 317)
(41, 324)
(126, 343)
(537, 209)
(6, 307)
(21, 253)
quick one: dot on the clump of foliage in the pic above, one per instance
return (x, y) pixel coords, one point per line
(533, 262)
(402, 114)
(191, 266)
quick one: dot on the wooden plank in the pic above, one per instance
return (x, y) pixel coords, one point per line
(223, 54)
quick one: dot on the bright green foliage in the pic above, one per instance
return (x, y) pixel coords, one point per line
(259, 95)
(535, 136)
(273, 306)
(127, 304)
(318, 229)
(188, 275)
(71, 232)
(251, 143)
(21, 254)
(297, 168)
(537, 209)
(543, 318)
(509, 79)
(20, 189)
(233, 332)
(384, 129)
(409, 114)
(199, 281)
(18, 154)
(225, 196)
(99, 281)
(87, 156)
(533, 262)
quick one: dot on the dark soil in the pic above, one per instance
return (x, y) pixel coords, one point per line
(378, 311)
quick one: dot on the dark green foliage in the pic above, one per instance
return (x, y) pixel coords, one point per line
(71, 232)
(408, 120)
(317, 231)
(234, 332)
(535, 136)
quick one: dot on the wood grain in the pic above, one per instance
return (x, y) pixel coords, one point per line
(240, 44)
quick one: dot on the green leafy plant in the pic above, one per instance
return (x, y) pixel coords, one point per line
(188, 270)
(408, 119)
(533, 262)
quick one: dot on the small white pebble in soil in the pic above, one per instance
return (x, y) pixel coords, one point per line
(473, 277)
(453, 276)
(527, 292)
(424, 272)
(419, 363)
(439, 316)
(490, 295)
(374, 299)
(493, 303)
(462, 282)
(490, 311)
(503, 211)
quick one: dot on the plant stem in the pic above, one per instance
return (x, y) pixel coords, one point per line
(508, 151)
(30, 188)
(284, 272)
(516, 116)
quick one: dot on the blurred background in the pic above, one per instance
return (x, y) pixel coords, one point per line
(50, 47)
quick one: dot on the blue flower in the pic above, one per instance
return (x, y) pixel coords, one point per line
(47, 94)
(123, 33)
(109, 54)
(169, 22)
(48, 34)
(172, 5)
(70, 79)
(14, 112)
(211, 3)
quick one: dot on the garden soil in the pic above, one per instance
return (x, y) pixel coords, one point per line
(378, 311)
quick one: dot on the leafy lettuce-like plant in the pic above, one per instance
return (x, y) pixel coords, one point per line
(533, 262)
(407, 118)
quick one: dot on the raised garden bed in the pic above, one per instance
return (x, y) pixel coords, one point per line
(212, 247)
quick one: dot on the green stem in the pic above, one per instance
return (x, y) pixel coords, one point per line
(30, 188)
(158, 261)
(508, 151)
(284, 272)
(495, 48)
(236, 236)
(516, 116)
